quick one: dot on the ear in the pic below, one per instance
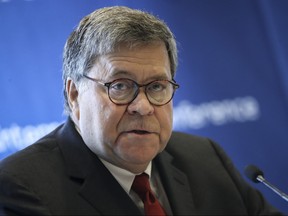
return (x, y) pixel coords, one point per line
(72, 97)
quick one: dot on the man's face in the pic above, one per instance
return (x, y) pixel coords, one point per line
(128, 136)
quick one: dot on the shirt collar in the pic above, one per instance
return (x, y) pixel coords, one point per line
(124, 177)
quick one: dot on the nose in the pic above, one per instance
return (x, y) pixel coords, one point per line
(140, 105)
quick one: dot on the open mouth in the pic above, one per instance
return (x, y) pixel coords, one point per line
(139, 132)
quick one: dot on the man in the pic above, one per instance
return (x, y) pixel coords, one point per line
(118, 73)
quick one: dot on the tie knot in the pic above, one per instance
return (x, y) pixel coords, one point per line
(141, 184)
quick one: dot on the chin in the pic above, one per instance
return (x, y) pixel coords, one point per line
(140, 158)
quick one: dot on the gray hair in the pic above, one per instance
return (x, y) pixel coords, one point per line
(102, 31)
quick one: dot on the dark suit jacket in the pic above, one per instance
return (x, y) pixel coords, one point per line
(59, 175)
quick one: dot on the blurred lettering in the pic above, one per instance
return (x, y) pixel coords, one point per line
(190, 116)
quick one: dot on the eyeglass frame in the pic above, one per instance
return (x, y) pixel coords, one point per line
(108, 84)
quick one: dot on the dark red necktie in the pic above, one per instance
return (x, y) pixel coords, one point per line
(141, 186)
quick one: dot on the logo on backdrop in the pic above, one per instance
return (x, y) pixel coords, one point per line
(215, 113)
(16, 137)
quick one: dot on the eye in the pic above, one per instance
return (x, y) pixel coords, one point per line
(121, 85)
(157, 86)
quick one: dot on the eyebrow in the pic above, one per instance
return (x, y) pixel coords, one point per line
(120, 73)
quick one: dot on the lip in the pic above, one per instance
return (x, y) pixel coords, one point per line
(139, 132)
(140, 127)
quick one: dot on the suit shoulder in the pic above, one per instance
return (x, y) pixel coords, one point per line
(178, 136)
(33, 154)
(187, 144)
(185, 140)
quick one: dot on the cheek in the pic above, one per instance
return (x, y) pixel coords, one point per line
(90, 106)
(165, 117)
(101, 116)
(98, 123)
(109, 119)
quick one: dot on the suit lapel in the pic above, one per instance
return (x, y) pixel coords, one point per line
(106, 194)
(176, 185)
(99, 187)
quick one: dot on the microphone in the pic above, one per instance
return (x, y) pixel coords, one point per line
(256, 175)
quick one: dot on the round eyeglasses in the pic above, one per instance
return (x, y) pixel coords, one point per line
(123, 91)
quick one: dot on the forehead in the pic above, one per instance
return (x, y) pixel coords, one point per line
(141, 62)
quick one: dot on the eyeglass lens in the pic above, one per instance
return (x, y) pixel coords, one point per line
(124, 91)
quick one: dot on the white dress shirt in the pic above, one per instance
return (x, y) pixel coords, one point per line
(125, 178)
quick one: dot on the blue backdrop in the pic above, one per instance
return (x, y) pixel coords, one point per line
(233, 74)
